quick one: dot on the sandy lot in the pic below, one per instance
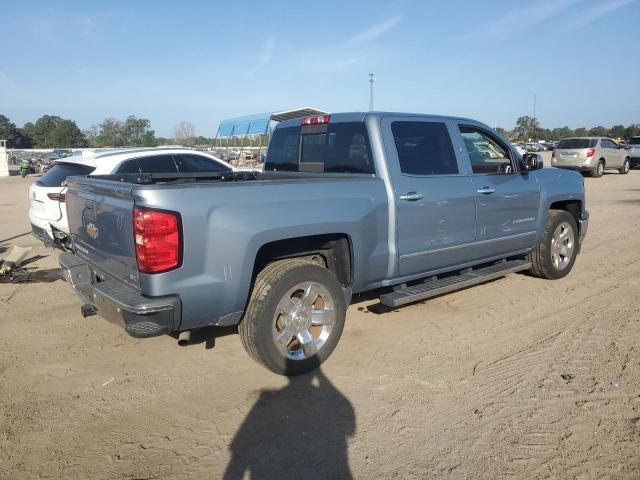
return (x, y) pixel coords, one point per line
(519, 377)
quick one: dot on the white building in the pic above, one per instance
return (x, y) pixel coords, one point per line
(4, 160)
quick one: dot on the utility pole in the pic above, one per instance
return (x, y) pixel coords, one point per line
(372, 78)
(535, 132)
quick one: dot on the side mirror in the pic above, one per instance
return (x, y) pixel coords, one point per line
(532, 161)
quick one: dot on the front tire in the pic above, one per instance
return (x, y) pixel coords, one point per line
(554, 256)
(625, 167)
(295, 317)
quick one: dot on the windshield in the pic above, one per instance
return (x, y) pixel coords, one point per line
(60, 172)
(577, 143)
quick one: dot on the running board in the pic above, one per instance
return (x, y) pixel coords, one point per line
(466, 278)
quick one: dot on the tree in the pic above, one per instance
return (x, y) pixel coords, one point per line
(133, 132)
(632, 131)
(50, 131)
(581, 132)
(66, 133)
(598, 131)
(526, 128)
(14, 137)
(617, 131)
(501, 131)
(137, 132)
(185, 133)
(560, 133)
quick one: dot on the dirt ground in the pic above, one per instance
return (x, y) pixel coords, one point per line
(519, 377)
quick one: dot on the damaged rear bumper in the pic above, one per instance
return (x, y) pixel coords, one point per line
(140, 316)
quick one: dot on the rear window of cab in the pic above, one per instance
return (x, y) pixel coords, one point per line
(341, 147)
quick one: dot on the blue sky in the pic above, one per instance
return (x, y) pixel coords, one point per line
(204, 61)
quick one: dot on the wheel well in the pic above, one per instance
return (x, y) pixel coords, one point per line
(574, 207)
(603, 161)
(331, 250)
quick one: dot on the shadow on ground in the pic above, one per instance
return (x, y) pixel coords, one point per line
(299, 431)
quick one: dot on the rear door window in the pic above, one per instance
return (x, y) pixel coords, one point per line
(157, 164)
(129, 166)
(191, 163)
(341, 147)
(424, 148)
(59, 173)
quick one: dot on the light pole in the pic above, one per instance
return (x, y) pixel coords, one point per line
(535, 130)
(372, 78)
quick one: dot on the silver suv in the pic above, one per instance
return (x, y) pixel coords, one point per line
(591, 154)
(634, 151)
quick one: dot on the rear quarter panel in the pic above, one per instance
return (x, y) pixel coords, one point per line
(225, 225)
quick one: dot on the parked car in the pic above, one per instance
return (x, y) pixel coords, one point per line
(520, 148)
(47, 195)
(430, 205)
(634, 151)
(591, 154)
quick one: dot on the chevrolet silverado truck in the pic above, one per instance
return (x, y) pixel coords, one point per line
(409, 205)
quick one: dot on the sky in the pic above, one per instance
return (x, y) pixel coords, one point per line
(205, 61)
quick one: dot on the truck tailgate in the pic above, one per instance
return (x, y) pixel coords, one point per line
(100, 217)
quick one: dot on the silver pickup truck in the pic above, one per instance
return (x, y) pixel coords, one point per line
(413, 205)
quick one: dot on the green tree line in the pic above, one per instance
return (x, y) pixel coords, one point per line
(51, 131)
(529, 129)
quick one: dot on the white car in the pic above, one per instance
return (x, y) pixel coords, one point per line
(47, 211)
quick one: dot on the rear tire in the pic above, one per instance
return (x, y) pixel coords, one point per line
(295, 317)
(599, 170)
(554, 256)
(626, 166)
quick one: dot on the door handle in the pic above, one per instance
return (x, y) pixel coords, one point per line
(411, 196)
(486, 190)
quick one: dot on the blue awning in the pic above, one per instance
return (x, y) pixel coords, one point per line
(260, 123)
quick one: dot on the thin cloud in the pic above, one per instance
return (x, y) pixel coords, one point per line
(343, 64)
(375, 31)
(589, 16)
(265, 55)
(515, 21)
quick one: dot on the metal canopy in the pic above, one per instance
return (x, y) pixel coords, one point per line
(259, 124)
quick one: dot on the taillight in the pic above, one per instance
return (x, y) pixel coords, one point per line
(591, 152)
(58, 197)
(317, 120)
(157, 239)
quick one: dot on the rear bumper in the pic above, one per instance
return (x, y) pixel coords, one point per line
(42, 234)
(140, 316)
(578, 167)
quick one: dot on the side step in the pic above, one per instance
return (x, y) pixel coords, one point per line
(466, 278)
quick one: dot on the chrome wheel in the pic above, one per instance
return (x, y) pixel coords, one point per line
(303, 320)
(626, 167)
(600, 169)
(562, 246)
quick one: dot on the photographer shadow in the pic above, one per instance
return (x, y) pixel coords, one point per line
(298, 431)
